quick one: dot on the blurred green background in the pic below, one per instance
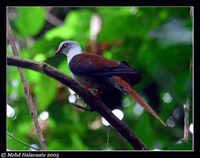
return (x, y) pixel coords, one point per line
(155, 40)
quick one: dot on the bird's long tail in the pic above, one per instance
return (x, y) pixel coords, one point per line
(125, 86)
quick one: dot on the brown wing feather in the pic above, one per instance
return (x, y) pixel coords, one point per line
(92, 63)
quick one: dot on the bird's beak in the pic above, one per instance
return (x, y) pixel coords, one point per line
(58, 52)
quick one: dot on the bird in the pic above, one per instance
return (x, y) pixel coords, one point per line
(96, 72)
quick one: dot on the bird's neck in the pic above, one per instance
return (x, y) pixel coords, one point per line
(73, 52)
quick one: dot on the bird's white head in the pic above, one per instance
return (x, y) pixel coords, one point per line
(69, 48)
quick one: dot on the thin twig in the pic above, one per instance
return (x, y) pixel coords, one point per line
(186, 108)
(21, 142)
(29, 100)
(91, 100)
(52, 18)
(186, 120)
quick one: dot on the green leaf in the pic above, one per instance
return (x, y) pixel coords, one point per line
(77, 142)
(45, 90)
(30, 21)
(76, 26)
(145, 131)
(124, 23)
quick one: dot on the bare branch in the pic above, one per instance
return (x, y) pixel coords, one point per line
(186, 108)
(52, 18)
(91, 100)
(31, 105)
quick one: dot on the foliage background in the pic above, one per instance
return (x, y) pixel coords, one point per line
(155, 40)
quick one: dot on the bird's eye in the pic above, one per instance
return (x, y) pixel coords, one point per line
(65, 45)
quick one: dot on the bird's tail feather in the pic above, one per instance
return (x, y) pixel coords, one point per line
(126, 87)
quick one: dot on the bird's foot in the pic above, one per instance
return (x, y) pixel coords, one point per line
(94, 91)
(82, 107)
(88, 87)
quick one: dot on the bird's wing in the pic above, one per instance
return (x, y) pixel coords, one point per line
(94, 65)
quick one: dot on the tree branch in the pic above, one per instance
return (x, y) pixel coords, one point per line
(27, 93)
(52, 18)
(186, 108)
(91, 100)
